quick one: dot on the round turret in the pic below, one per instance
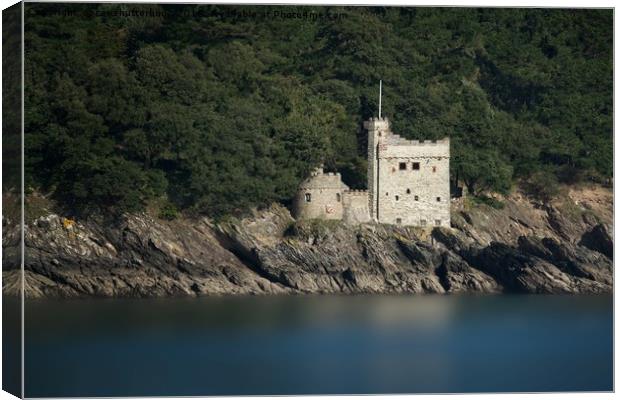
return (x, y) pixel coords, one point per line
(320, 196)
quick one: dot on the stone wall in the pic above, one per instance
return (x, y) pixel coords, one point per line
(377, 128)
(355, 203)
(419, 197)
(325, 199)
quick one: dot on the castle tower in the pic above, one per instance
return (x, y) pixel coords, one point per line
(408, 183)
(408, 180)
(320, 196)
(378, 128)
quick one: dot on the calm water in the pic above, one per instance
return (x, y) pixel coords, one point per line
(303, 345)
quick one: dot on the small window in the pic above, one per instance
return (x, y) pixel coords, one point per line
(308, 198)
(408, 191)
(434, 169)
(399, 221)
(415, 198)
(423, 222)
(437, 222)
(402, 166)
(338, 197)
(397, 197)
(387, 194)
(438, 198)
(416, 166)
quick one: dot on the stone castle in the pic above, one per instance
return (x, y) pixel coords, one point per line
(408, 184)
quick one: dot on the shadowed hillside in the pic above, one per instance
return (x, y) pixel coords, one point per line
(214, 110)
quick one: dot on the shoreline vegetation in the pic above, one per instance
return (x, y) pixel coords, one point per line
(522, 246)
(161, 152)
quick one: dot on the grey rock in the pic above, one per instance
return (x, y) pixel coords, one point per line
(522, 248)
(598, 239)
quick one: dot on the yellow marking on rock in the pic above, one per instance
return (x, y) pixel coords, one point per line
(68, 223)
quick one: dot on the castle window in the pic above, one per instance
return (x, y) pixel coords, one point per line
(399, 221)
(437, 222)
(387, 194)
(415, 198)
(338, 197)
(416, 166)
(308, 197)
(408, 191)
(438, 198)
(402, 166)
(396, 198)
(434, 169)
(423, 222)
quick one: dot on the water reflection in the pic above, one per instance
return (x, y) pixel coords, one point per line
(318, 344)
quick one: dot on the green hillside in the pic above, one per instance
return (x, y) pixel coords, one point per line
(217, 109)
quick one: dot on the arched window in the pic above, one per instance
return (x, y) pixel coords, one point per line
(396, 197)
(408, 191)
(308, 197)
(415, 198)
(338, 197)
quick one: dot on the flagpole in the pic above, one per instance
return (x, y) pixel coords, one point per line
(380, 98)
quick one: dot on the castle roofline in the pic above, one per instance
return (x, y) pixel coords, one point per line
(314, 185)
(377, 122)
(323, 180)
(400, 141)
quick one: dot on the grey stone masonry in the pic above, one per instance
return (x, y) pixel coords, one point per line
(408, 184)
(355, 203)
(376, 128)
(320, 196)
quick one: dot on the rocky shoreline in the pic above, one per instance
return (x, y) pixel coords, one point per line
(564, 246)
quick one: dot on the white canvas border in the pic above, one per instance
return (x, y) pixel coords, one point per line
(453, 3)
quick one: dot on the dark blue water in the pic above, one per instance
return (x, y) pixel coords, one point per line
(309, 345)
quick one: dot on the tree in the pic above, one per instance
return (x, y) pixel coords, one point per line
(217, 113)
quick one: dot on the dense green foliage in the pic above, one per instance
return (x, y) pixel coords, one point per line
(11, 100)
(217, 112)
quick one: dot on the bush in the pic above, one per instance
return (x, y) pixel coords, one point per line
(168, 212)
(489, 201)
(542, 185)
(315, 228)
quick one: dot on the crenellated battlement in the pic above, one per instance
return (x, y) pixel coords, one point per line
(354, 192)
(398, 140)
(408, 184)
(398, 147)
(377, 124)
(318, 171)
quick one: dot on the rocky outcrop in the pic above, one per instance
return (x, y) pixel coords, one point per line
(599, 240)
(523, 247)
(134, 257)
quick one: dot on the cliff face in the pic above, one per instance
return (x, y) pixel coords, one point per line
(561, 247)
